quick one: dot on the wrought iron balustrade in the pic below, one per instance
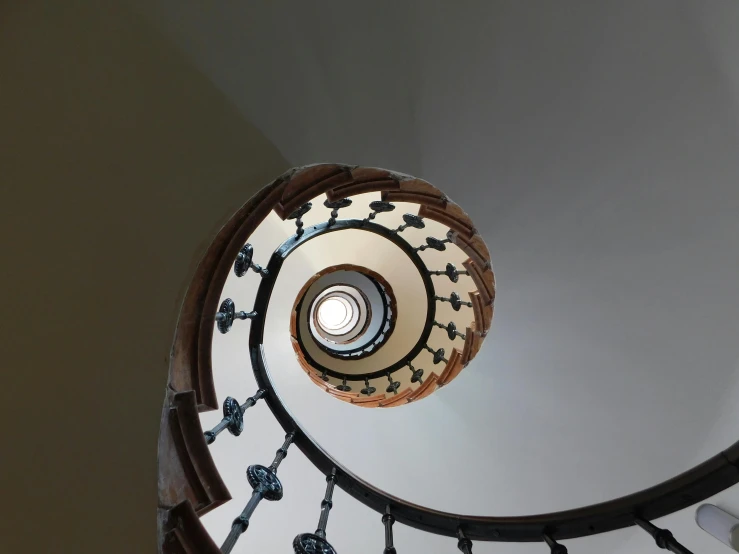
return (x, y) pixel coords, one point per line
(198, 319)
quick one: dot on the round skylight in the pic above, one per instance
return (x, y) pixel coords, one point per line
(334, 313)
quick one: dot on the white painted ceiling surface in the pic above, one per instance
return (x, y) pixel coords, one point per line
(596, 146)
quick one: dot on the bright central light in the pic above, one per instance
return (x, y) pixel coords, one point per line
(333, 313)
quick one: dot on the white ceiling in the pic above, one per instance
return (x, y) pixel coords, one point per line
(595, 146)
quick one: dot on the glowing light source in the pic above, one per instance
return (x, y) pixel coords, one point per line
(334, 313)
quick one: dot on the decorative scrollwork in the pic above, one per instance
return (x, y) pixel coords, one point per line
(416, 374)
(343, 387)
(335, 206)
(436, 244)
(245, 261)
(410, 221)
(455, 300)
(393, 386)
(438, 354)
(301, 211)
(451, 330)
(264, 479)
(227, 314)
(233, 417)
(451, 271)
(233, 414)
(297, 215)
(368, 390)
(308, 543)
(377, 207)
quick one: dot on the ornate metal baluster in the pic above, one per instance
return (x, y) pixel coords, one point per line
(393, 386)
(324, 377)
(451, 330)
(327, 504)
(368, 390)
(451, 271)
(227, 313)
(316, 543)
(554, 546)
(663, 537)
(343, 387)
(233, 417)
(455, 300)
(281, 454)
(410, 221)
(416, 374)
(244, 262)
(265, 484)
(297, 215)
(335, 207)
(388, 520)
(438, 354)
(436, 244)
(378, 207)
(464, 544)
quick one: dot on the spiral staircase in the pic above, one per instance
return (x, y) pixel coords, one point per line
(594, 147)
(189, 482)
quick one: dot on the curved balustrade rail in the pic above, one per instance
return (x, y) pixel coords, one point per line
(189, 484)
(693, 486)
(289, 246)
(318, 372)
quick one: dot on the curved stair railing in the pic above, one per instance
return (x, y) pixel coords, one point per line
(311, 366)
(189, 483)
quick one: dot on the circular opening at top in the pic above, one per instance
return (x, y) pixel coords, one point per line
(345, 311)
(339, 315)
(334, 313)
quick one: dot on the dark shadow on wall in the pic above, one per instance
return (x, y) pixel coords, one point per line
(118, 162)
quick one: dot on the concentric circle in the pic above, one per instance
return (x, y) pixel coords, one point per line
(339, 314)
(346, 311)
(334, 313)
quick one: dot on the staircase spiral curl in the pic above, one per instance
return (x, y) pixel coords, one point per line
(334, 353)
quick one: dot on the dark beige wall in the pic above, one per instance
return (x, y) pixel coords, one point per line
(118, 161)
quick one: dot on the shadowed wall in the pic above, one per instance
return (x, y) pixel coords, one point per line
(119, 161)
